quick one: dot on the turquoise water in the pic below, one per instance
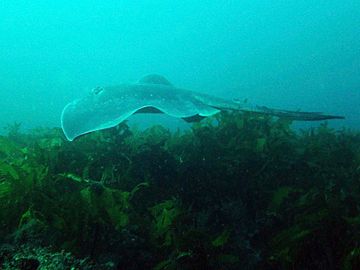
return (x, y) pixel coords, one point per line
(287, 54)
(234, 192)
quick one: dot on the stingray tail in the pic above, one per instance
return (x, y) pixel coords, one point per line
(291, 115)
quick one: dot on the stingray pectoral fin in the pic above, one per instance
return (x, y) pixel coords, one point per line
(75, 123)
(82, 116)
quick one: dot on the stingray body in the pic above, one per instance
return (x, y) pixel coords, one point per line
(106, 107)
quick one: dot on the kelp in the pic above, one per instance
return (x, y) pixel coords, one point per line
(235, 191)
(164, 215)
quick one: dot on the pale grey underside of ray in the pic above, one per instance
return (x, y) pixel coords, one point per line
(110, 106)
(107, 107)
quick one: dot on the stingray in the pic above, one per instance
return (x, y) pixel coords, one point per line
(106, 107)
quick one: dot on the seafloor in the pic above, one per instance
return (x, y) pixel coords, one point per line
(234, 192)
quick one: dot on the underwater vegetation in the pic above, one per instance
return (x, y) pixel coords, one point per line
(236, 191)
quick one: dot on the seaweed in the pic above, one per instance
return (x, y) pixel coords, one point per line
(235, 191)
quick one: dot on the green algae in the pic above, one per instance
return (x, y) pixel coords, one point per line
(233, 192)
(221, 239)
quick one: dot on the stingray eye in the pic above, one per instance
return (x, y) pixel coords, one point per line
(97, 90)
